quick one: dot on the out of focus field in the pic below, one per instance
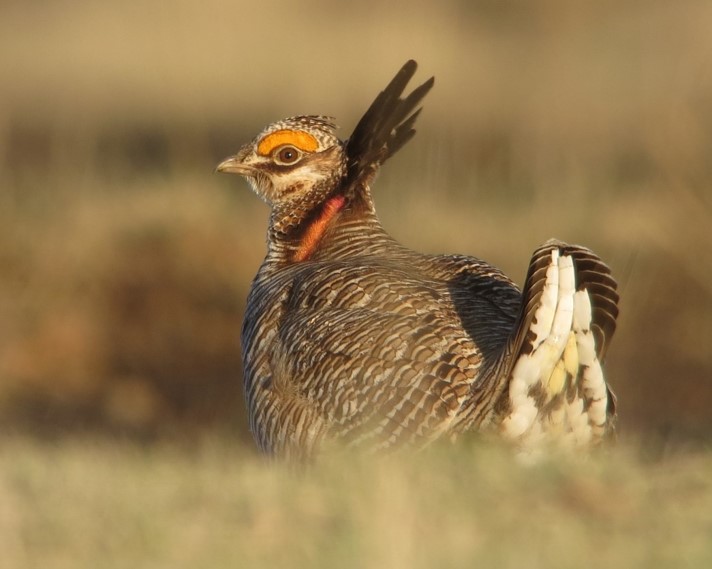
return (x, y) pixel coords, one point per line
(88, 504)
(125, 264)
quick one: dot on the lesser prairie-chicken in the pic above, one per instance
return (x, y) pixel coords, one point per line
(352, 340)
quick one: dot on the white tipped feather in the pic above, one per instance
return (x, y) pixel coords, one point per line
(563, 362)
(544, 315)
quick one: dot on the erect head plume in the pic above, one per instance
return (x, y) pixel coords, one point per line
(298, 165)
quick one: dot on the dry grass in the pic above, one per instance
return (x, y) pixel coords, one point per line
(84, 503)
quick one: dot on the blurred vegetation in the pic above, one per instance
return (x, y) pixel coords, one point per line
(125, 264)
(85, 504)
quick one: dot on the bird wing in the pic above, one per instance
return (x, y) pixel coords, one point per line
(383, 360)
(385, 127)
(552, 360)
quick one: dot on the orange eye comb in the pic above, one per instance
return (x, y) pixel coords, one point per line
(297, 138)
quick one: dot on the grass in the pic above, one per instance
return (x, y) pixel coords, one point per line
(101, 503)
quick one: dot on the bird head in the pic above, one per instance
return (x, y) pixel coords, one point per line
(291, 160)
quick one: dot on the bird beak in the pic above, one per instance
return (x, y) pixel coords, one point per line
(234, 165)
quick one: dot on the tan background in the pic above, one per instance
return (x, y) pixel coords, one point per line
(125, 263)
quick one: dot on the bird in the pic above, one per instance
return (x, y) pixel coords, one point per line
(352, 341)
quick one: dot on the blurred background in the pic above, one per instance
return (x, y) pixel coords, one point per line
(125, 262)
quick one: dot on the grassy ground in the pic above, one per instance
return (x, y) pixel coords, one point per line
(98, 503)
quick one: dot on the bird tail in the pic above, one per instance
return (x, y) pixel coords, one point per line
(553, 359)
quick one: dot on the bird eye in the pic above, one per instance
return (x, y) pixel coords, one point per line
(287, 155)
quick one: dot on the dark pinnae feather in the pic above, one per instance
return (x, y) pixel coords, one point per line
(385, 127)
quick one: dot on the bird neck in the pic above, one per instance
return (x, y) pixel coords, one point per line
(316, 227)
(337, 226)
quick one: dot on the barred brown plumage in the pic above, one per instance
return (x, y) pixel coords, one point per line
(350, 339)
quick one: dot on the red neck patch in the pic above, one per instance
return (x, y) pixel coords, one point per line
(315, 231)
